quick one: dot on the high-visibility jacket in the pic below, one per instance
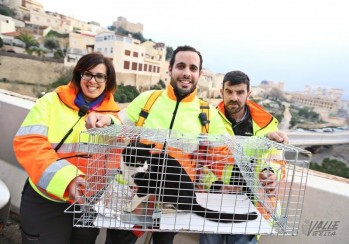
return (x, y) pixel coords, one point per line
(166, 108)
(46, 124)
(262, 121)
(184, 114)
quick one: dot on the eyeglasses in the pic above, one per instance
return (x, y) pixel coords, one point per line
(99, 77)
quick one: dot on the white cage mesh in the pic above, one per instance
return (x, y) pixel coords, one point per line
(234, 164)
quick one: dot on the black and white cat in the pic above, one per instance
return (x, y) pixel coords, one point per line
(163, 176)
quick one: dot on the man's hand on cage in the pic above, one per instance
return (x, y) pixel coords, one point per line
(76, 189)
(94, 120)
(268, 181)
(278, 136)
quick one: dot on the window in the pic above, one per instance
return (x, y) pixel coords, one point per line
(158, 70)
(135, 54)
(126, 64)
(145, 67)
(134, 66)
(140, 66)
(127, 52)
(154, 68)
(150, 67)
(111, 50)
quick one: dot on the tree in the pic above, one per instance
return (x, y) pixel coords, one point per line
(28, 40)
(169, 52)
(139, 36)
(159, 86)
(1, 43)
(125, 94)
(332, 166)
(111, 28)
(4, 10)
(51, 43)
(122, 31)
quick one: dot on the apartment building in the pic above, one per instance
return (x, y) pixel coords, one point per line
(12, 4)
(135, 64)
(6, 24)
(79, 44)
(325, 101)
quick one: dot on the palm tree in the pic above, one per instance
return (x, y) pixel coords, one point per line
(28, 40)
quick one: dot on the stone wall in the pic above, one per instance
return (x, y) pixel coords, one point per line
(29, 69)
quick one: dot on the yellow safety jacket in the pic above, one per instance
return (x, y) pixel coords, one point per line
(262, 123)
(185, 113)
(48, 121)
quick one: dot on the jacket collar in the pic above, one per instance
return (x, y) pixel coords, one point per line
(171, 94)
(258, 114)
(67, 94)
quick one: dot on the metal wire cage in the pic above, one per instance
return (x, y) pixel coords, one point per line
(162, 180)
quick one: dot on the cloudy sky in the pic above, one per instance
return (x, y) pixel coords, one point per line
(299, 42)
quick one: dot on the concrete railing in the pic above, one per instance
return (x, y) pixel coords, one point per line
(325, 217)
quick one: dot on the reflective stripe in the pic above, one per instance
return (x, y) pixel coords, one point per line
(33, 129)
(62, 178)
(43, 193)
(66, 147)
(50, 171)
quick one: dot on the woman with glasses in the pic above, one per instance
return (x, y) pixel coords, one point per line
(45, 145)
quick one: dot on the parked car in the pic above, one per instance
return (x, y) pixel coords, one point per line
(5, 203)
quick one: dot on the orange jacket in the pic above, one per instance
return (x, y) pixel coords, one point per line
(48, 121)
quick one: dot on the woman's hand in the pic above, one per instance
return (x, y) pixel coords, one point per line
(94, 120)
(76, 189)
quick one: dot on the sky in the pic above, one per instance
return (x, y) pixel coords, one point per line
(299, 42)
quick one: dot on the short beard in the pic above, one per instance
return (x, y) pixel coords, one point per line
(180, 94)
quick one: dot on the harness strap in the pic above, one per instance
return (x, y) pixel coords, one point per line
(143, 115)
(145, 111)
(205, 108)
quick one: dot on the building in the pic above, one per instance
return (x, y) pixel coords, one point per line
(135, 64)
(325, 101)
(128, 26)
(6, 24)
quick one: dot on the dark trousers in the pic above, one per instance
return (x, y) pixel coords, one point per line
(127, 237)
(44, 221)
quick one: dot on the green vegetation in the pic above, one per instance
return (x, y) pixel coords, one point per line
(332, 166)
(29, 41)
(124, 32)
(159, 86)
(303, 115)
(56, 34)
(51, 43)
(125, 94)
(169, 52)
(4, 10)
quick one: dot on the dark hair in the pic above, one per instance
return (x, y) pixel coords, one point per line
(89, 61)
(183, 49)
(236, 78)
